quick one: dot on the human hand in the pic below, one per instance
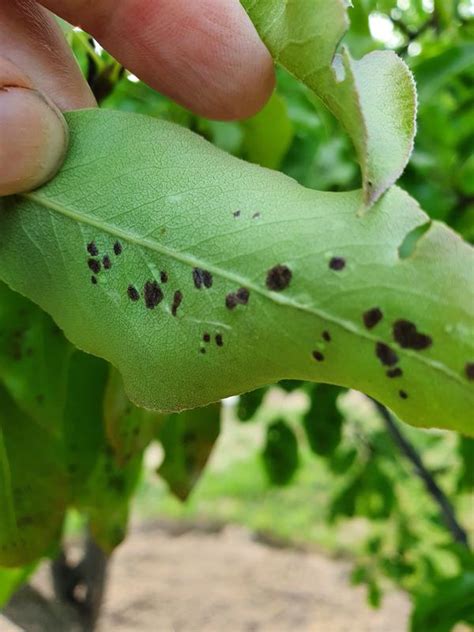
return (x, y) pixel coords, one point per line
(205, 54)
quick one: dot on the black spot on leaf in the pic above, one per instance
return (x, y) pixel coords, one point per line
(403, 394)
(318, 356)
(396, 372)
(164, 277)
(202, 350)
(106, 262)
(372, 317)
(241, 297)
(153, 294)
(94, 280)
(94, 265)
(177, 299)
(385, 354)
(469, 370)
(256, 215)
(326, 336)
(92, 249)
(202, 278)
(206, 337)
(337, 263)
(407, 336)
(219, 340)
(278, 278)
(236, 214)
(231, 301)
(133, 294)
(117, 248)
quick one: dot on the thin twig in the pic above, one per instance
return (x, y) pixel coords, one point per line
(408, 450)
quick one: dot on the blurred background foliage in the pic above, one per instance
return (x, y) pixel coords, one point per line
(313, 464)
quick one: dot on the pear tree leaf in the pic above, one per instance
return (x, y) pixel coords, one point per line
(323, 421)
(200, 276)
(33, 486)
(129, 429)
(268, 134)
(188, 439)
(249, 403)
(101, 479)
(374, 98)
(280, 453)
(34, 359)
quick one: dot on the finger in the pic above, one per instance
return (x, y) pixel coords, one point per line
(30, 38)
(33, 133)
(204, 54)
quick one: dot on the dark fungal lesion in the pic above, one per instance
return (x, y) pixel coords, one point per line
(92, 249)
(163, 276)
(403, 394)
(133, 293)
(106, 262)
(405, 333)
(236, 214)
(94, 279)
(202, 278)
(337, 263)
(152, 293)
(318, 356)
(256, 215)
(326, 336)
(177, 300)
(278, 278)
(117, 248)
(94, 265)
(396, 372)
(241, 297)
(206, 337)
(372, 317)
(219, 340)
(469, 370)
(385, 354)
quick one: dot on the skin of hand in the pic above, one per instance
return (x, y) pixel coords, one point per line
(204, 54)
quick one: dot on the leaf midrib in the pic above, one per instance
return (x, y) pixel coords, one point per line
(193, 262)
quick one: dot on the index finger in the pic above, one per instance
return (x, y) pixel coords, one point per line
(204, 54)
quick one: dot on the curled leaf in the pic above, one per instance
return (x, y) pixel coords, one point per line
(374, 98)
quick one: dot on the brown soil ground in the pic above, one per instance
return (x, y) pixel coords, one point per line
(170, 578)
(228, 582)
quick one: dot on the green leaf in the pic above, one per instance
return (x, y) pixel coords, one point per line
(33, 486)
(323, 421)
(34, 359)
(451, 603)
(280, 454)
(11, 579)
(101, 480)
(268, 134)
(249, 403)
(188, 440)
(287, 266)
(374, 98)
(129, 429)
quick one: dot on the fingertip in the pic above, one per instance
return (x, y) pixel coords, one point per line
(33, 139)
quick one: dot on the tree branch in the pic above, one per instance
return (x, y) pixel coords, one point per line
(408, 450)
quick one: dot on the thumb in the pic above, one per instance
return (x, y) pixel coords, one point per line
(33, 133)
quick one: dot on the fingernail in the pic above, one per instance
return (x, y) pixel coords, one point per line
(33, 139)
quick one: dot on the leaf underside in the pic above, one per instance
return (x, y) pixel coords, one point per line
(199, 276)
(374, 98)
